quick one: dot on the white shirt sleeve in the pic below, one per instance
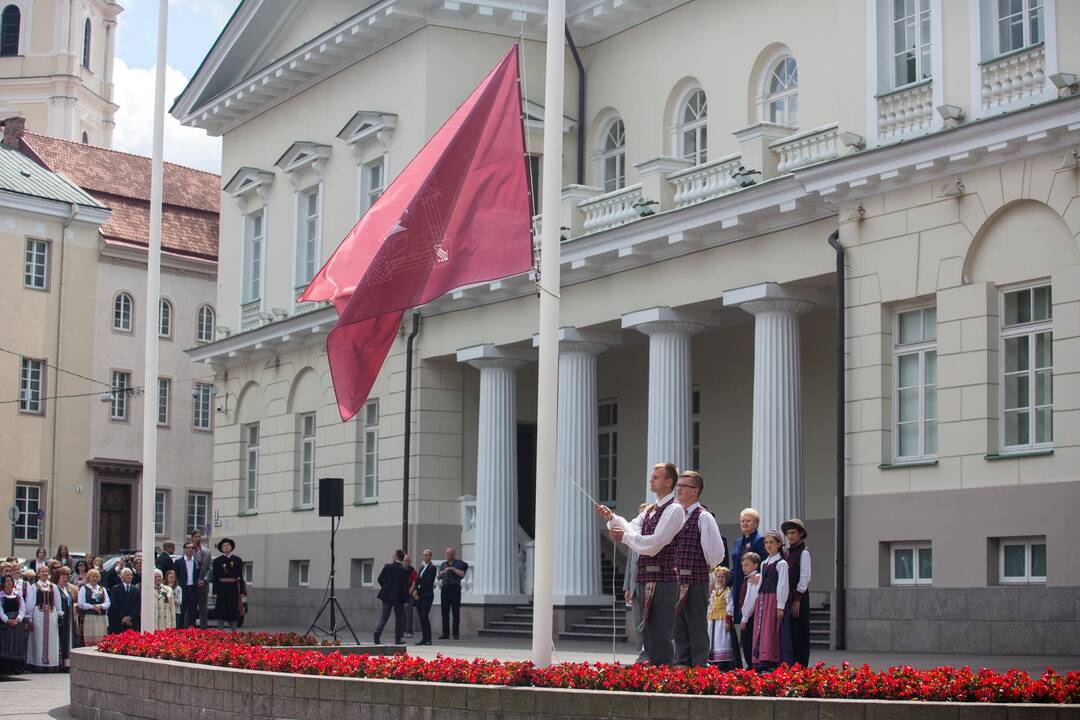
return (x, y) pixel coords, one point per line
(749, 602)
(106, 603)
(671, 522)
(782, 587)
(56, 602)
(804, 573)
(711, 542)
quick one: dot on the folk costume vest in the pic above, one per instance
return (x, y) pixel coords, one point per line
(794, 557)
(660, 567)
(690, 564)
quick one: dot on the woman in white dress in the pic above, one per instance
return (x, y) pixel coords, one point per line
(178, 594)
(44, 604)
(94, 605)
(164, 611)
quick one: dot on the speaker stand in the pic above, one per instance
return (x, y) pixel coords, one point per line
(331, 604)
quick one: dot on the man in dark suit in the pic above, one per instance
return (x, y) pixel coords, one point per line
(206, 572)
(423, 593)
(393, 592)
(187, 577)
(124, 610)
(164, 562)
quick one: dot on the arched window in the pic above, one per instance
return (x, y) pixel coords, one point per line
(10, 20)
(86, 44)
(85, 138)
(164, 318)
(613, 156)
(782, 98)
(123, 312)
(204, 324)
(692, 128)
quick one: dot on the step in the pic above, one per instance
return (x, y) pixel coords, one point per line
(505, 633)
(604, 629)
(507, 625)
(605, 619)
(590, 636)
(525, 617)
(524, 608)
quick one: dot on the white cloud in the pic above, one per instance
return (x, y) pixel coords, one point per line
(134, 133)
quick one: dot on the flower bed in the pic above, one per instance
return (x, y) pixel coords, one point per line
(250, 651)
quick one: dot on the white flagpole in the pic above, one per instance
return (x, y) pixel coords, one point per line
(548, 374)
(150, 365)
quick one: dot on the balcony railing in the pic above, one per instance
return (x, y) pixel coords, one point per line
(611, 209)
(705, 181)
(906, 111)
(807, 148)
(249, 315)
(1014, 77)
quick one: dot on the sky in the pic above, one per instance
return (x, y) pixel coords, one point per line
(193, 27)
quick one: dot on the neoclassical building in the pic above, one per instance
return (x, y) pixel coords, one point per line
(762, 224)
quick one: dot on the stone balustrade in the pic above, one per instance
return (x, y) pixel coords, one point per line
(807, 148)
(537, 226)
(611, 209)
(705, 181)
(1013, 77)
(906, 111)
(249, 316)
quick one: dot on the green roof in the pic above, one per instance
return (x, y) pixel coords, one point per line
(19, 174)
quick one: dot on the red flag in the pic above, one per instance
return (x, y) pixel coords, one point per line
(457, 214)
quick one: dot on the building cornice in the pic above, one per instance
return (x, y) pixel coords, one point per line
(53, 208)
(292, 333)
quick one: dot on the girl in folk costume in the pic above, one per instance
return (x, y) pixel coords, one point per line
(66, 622)
(94, 607)
(43, 601)
(164, 610)
(721, 651)
(14, 635)
(178, 595)
(772, 633)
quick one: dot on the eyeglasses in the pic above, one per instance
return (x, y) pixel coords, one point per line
(686, 485)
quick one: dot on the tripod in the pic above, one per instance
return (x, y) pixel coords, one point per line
(331, 603)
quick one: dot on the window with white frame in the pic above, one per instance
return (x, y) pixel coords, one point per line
(254, 233)
(36, 272)
(695, 428)
(121, 388)
(204, 324)
(608, 451)
(86, 44)
(1027, 395)
(911, 563)
(369, 483)
(911, 41)
(1019, 24)
(198, 512)
(27, 502)
(249, 572)
(164, 397)
(250, 435)
(307, 236)
(306, 456)
(202, 397)
(613, 156)
(372, 182)
(692, 129)
(363, 572)
(10, 26)
(915, 415)
(1022, 560)
(165, 314)
(161, 502)
(31, 386)
(123, 312)
(782, 93)
(299, 573)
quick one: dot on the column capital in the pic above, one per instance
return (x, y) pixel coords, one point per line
(665, 321)
(492, 356)
(773, 298)
(593, 342)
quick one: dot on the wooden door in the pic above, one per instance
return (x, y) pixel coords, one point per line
(114, 517)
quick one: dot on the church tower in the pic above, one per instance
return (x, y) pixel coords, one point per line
(56, 67)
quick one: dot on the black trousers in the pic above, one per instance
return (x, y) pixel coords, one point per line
(800, 633)
(746, 642)
(423, 609)
(450, 596)
(398, 609)
(692, 629)
(658, 636)
(189, 606)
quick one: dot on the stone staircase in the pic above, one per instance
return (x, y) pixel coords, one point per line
(599, 625)
(516, 623)
(821, 628)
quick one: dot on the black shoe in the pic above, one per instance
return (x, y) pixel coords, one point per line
(457, 637)
(378, 641)
(424, 642)
(444, 637)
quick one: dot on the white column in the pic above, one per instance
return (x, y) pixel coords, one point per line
(670, 438)
(496, 570)
(776, 482)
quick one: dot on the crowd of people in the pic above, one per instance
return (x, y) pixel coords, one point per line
(51, 605)
(692, 602)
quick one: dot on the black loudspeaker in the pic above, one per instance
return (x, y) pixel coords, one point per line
(331, 497)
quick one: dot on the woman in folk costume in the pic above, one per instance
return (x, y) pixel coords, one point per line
(772, 633)
(14, 635)
(721, 651)
(68, 593)
(164, 610)
(44, 603)
(94, 606)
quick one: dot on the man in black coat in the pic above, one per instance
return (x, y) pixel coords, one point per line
(393, 592)
(188, 573)
(164, 561)
(423, 593)
(124, 608)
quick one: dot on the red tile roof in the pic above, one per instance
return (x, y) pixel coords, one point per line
(191, 198)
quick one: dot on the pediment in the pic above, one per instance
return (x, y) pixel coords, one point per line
(303, 154)
(247, 180)
(366, 125)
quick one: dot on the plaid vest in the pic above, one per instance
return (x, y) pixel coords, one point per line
(690, 563)
(660, 567)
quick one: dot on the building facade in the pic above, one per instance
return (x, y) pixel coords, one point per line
(936, 146)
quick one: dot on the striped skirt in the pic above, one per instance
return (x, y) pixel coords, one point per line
(13, 642)
(772, 638)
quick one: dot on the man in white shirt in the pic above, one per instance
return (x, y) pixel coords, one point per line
(187, 577)
(798, 560)
(652, 534)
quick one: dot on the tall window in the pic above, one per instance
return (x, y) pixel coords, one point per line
(164, 396)
(372, 183)
(911, 41)
(86, 44)
(254, 232)
(782, 100)
(123, 312)
(912, 563)
(251, 466)
(249, 573)
(160, 502)
(307, 236)
(165, 312)
(915, 397)
(198, 512)
(695, 429)
(613, 156)
(1027, 340)
(32, 386)
(121, 386)
(204, 324)
(1022, 561)
(202, 396)
(28, 502)
(693, 128)
(369, 489)
(10, 19)
(36, 272)
(1019, 24)
(307, 459)
(532, 167)
(608, 450)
